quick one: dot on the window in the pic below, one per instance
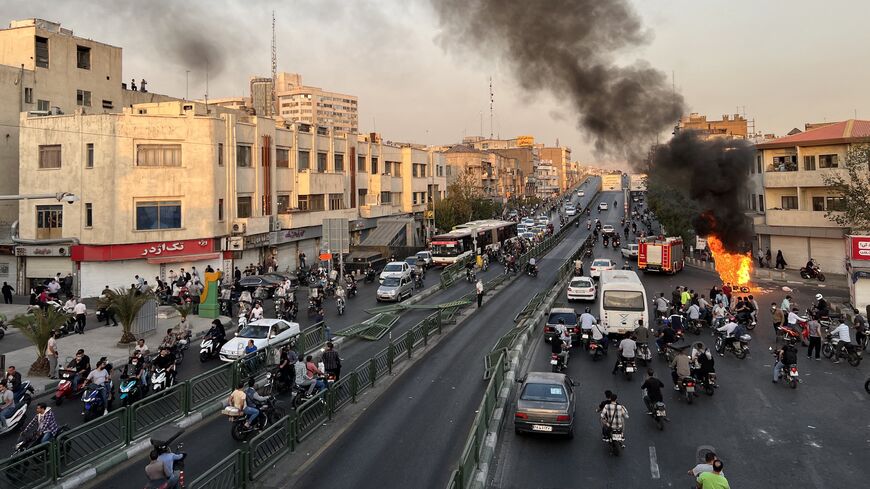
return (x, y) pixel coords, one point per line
(361, 163)
(441, 171)
(758, 163)
(243, 155)
(374, 165)
(752, 167)
(760, 203)
(158, 155)
(388, 167)
(28, 95)
(385, 198)
(304, 161)
(89, 215)
(158, 215)
(336, 202)
(89, 161)
(810, 163)
(321, 162)
(83, 98)
(41, 52)
(414, 197)
(338, 163)
(283, 204)
(49, 156)
(827, 161)
(107, 104)
(43, 105)
(282, 158)
(835, 204)
(784, 163)
(220, 151)
(83, 57)
(49, 221)
(220, 209)
(361, 193)
(789, 202)
(818, 203)
(397, 169)
(396, 198)
(312, 202)
(752, 202)
(243, 207)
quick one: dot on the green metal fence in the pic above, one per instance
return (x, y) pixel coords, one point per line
(229, 473)
(91, 441)
(30, 471)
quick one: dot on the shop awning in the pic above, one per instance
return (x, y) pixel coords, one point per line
(156, 260)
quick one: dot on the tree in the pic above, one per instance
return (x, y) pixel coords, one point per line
(37, 327)
(672, 207)
(463, 203)
(853, 187)
(126, 303)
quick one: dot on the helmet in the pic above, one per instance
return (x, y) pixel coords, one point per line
(818, 297)
(587, 309)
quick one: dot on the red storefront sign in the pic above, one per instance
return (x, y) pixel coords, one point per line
(860, 246)
(143, 251)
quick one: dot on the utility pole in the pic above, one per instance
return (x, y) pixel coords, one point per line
(186, 84)
(490, 107)
(273, 110)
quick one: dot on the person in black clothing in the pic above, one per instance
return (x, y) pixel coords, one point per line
(667, 335)
(331, 361)
(652, 389)
(165, 360)
(7, 293)
(785, 357)
(286, 367)
(81, 363)
(607, 396)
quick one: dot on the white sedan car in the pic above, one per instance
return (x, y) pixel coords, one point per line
(570, 210)
(602, 206)
(264, 332)
(581, 289)
(607, 229)
(600, 264)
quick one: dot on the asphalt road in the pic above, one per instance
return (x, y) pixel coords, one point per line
(413, 435)
(768, 435)
(210, 441)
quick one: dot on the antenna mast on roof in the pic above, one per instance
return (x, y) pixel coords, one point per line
(490, 107)
(273, 100)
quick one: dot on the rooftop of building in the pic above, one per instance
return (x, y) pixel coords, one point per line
(48, 26)
(848, 131)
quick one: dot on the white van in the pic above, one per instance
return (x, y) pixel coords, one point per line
(622, 301)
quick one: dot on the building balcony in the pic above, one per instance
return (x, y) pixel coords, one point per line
(254, 225)
(779, 217)
(369, 211)
(301, 219)
(797, 178)
(320, 183)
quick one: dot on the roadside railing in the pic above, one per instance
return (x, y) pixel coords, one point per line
(96, 440)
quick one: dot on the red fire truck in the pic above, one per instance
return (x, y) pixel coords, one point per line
(660, 254)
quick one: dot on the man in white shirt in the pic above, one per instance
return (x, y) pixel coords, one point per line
(718, 313)
(586, 321)
(728, 328)
(627, 351)
(80, 310)
(793, 319)
(842, 332)
(257, 312)
(694, 312)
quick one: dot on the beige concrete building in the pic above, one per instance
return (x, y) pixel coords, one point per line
(496, 176)
(195, 185)
(796, 198)
(315, 106)
(729, 126)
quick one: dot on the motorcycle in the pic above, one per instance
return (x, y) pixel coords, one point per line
(128, 390)
(812, 273)
(606, 241)
(687, 389)
(22, 401)
(28, 440)
(160, 440)
(615, 243)
(161, 379)
(470, 275)
(643, 353)
(693, 326)
(65, 388)
(370, 276)
(738, 346)
(533, 271)
(270, 413)
(209, 348)
(339, 304)
(596, 350)
(557, 363)
(615, 441)
(276, 383)
(350, 288)
(628, 367)
(93, 403)
(588, 226)
(832, 349)
(789, 373)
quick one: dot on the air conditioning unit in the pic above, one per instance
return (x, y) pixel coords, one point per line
(236, 243)
(239, 227)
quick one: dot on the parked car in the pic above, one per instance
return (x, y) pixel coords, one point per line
(582, 289)
(281, 276)
(602, 206)
(425, 257)
(545, 404)
(629, 251)
(395, 289)
(599, 265)
(397, 269)
(566, 314)
(264, 332)
(260, 286)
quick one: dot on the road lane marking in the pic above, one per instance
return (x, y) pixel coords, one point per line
(653, 463)
(763, 398)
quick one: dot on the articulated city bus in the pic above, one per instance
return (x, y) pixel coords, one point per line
(449, 247)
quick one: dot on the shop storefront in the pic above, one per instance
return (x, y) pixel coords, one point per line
(41, 263)
(117, 265)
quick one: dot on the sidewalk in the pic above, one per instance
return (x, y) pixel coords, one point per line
(772, 275)
(98, 342)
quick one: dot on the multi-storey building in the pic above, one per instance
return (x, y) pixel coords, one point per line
(315, 106)
(796, 198)
(729, 126)
(181, 184)
(45, 69)
(493, 175)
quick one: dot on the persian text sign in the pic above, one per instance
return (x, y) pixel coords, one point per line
(860, 246)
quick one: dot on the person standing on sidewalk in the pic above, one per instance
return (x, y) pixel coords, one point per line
(80, 310)
(479, 288)
(7, 293)
(815, 330)
(51, 354)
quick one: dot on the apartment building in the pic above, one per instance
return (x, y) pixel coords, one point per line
(796, 198)
(495, 176)
(734, 126)
(181, 184)
(528, 155)
(45, 68)
(315, 106)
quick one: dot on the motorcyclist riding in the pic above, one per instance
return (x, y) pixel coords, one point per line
(100, 377)
(166, 361)
(217, 332)
(680, 368)
(701, 361)
(842, 332)
(785, 357)
(162, 468)
(821, 308)
(729, 328)
(627, 351)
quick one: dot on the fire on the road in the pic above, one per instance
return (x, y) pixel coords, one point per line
(732, 267)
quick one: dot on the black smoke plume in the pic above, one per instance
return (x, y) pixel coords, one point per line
(567, 47)
(713, 174)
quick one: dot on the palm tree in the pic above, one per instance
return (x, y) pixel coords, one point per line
(37, 327)
(184, 309)
(126, 303)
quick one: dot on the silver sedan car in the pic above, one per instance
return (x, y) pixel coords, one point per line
(545, 404)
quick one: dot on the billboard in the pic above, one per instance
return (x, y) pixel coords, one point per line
(525, 141)
(859, 247)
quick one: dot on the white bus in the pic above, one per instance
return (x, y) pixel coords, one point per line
(449, 247)
(622, 301)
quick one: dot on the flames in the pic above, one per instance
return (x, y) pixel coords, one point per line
(732, 267)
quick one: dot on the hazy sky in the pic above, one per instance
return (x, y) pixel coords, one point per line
(783, 62)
